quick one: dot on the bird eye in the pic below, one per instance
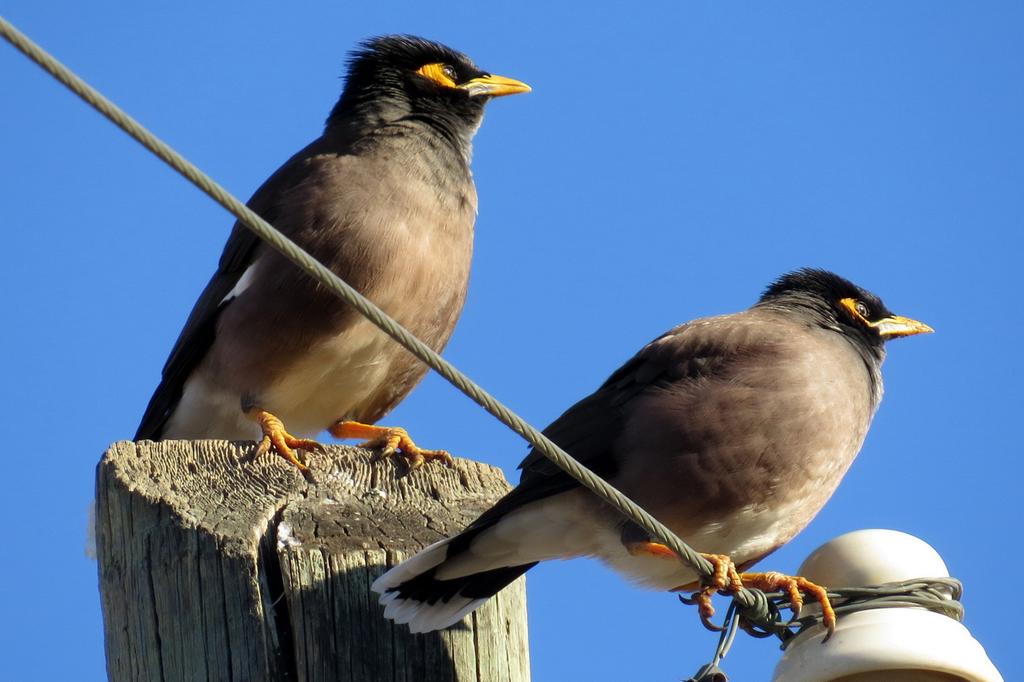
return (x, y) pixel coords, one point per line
(862, 310)
(449, 71)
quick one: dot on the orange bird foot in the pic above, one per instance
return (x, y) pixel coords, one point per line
(795, 586)
(391, 440)
(727, 581)
(276, 438)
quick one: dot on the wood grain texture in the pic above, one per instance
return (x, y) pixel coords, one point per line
(217, 566)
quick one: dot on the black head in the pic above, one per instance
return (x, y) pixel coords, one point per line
(839, 304)
(396, 77)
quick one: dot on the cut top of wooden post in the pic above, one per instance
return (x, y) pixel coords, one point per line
(215, 565)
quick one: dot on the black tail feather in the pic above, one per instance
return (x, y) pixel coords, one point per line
(427, 589)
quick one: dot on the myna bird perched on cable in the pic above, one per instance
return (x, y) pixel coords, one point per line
(386, 200)
(733, 431)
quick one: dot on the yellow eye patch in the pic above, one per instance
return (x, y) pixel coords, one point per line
(851, 305)
(439, 73)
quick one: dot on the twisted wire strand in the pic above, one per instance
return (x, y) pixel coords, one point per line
(749, 605)
(939, 595)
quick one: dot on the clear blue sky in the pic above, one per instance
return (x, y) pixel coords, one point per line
(670, 162)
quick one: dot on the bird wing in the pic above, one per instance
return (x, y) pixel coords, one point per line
(589, 429)
(240, 251)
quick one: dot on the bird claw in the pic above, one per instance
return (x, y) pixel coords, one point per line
(392, 440)
(702, 600)
(724, 580)
(705, 609)
(277, 439)
(795, 587)
(727, 581)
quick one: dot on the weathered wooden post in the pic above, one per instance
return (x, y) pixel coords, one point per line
(217, 566)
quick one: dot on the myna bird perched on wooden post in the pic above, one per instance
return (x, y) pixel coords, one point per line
(733, 431)
(386, 200)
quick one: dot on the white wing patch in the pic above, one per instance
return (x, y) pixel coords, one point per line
(243, 283)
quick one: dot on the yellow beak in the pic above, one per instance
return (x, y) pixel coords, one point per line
(896, 325)
(494, 86)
